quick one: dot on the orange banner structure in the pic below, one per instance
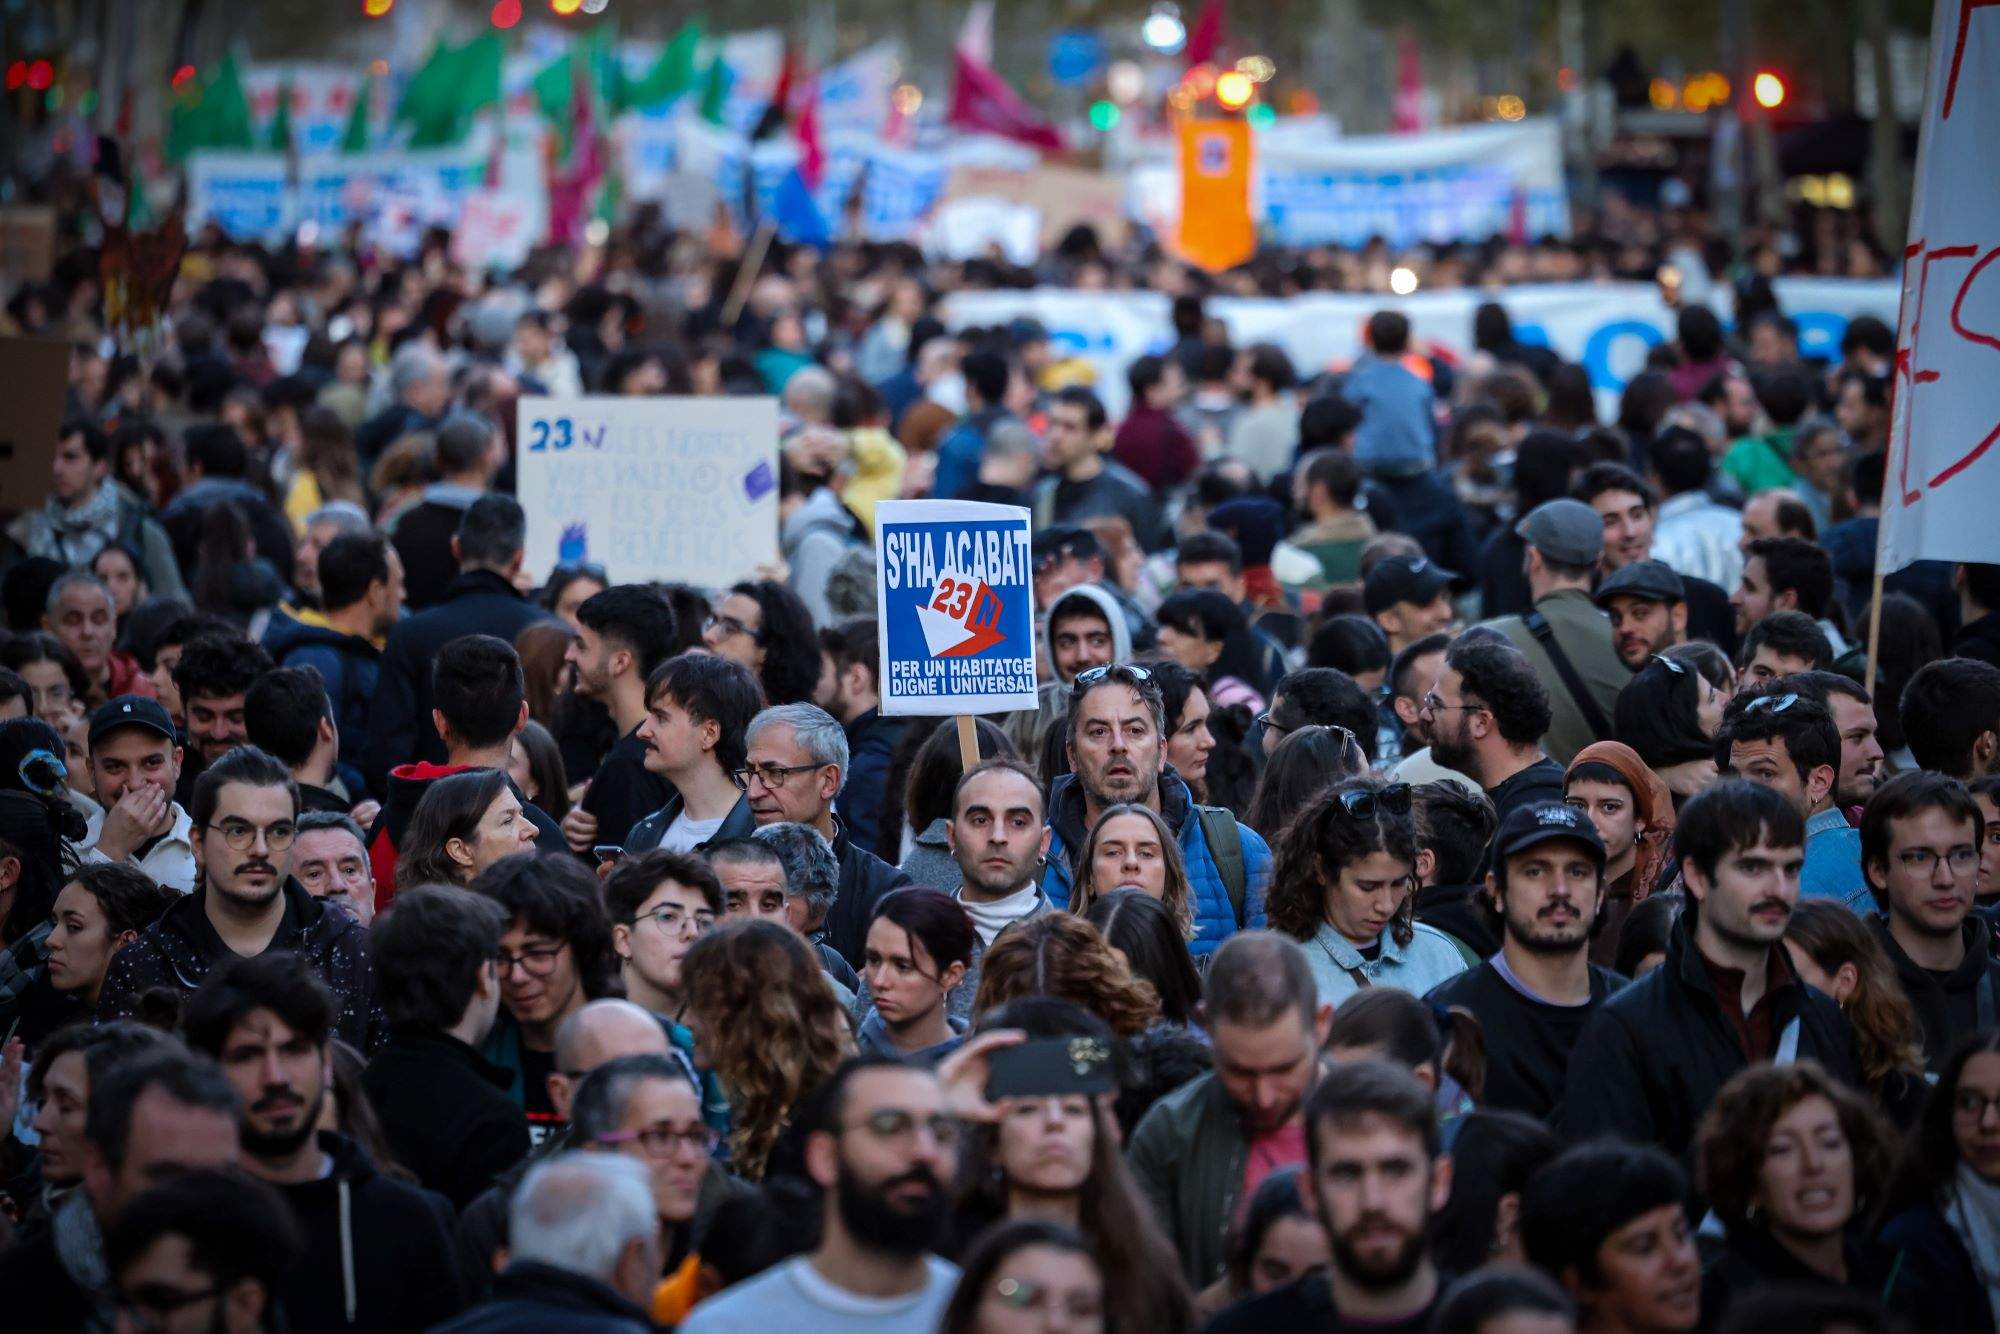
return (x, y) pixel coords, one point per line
(1216, 229)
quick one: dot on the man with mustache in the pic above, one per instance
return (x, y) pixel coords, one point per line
(1534, 996)
(245, 813)
(381, 1253)
(884, 1150)
(1650, 1061)
(1378, 1174)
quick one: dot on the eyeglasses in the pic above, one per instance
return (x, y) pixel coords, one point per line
(1264, 721)
(729, 625)
(1972, 1104)
(895, 1124)
(772, 776)
(1923, 861)
(1433, 703)
(1090, 676)
(538, 961)
(241, 835)
(671, 918)
(1362, 802)
(660, 1139)
(148, 1308)
(1775, 703)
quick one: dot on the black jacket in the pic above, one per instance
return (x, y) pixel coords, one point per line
(646, 834)
(479, 602)
(177, 951)
(1306, 1306)
(1959, 1003)
(349, 665)
(870, 739)
(1750, 1260)
(1652, 1057)
(531, 1298)
(1954, 1297)
(864, 879)
(394, 1238)
(40, 1293)
(1460, 912)
(422, 537)
(1979, 639)
(446, 1112)
(624, 791)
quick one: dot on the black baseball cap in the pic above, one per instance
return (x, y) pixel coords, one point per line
(1653, 580)
(1544, 822)
(1062, 540)
(131, 711)
(1404, 579)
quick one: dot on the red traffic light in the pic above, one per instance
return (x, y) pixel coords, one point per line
(17, 74)
(40, 75)
(506, 13)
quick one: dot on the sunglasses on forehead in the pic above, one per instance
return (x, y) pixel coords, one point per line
(1090, 676)
(1363, 802)
(1775, 703)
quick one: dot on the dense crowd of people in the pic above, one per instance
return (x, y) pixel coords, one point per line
(1465, 872)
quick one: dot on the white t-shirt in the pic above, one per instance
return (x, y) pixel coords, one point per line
(685, 835)
(794, 1296)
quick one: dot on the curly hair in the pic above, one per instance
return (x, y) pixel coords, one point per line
(1499, 677)
(1734, 1138)
(770, 1029)
(1886, 1036)
(1178, 899)
(1322, 840)
(1059, 954)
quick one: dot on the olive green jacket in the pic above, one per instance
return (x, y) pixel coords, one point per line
(1584, 633)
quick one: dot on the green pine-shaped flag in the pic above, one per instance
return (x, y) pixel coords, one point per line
(210, 113)
(354, 139)
(715, 88)
(281, 123)
(452, 85)
(670, 76)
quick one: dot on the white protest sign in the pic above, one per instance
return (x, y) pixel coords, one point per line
(682, 489)
(495, 231)
(955, 589)
(1937, 501)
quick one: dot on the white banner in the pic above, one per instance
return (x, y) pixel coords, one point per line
(253, 196)
(1937, 503)
(1607, 327)
(650, 488)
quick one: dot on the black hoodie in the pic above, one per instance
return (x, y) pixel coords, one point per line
(1949, 1005)
(379, 1251)
(177, 951)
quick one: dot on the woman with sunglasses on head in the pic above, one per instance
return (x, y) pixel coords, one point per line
(1633, 813)
(1345, 888)
(1668, 713)
(1944, 1204)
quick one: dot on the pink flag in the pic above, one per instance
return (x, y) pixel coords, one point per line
(1205, 39)
(573, 184)
(1409, 112)
(983, 101)
(812, 153)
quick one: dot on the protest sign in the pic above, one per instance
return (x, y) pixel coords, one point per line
(495, 231)
(34, 378)
(1937, 502)
(1064, 196)
(651, 488)
(27, 242)
(954, 589)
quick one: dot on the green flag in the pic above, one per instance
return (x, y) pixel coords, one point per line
(354, 139)
(453, 84)
(210, 113)
(715, 89)
(670, 76)
(281, 123)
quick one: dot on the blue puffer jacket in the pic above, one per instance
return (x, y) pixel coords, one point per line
(1214, 914)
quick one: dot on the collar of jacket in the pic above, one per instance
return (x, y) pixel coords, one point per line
(1345, 955)
(1690, 967)
(1066, 807)
(481, 581)
(309, 912)
(1978, 954)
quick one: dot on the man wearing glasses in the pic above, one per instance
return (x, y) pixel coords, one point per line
(1920, 841)
(245, 813)
(1788, 742)
(795, 765)
(884, 1151)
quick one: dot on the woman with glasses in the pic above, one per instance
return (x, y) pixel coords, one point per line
(1345, 888)
(1309, 760)
(766, 1022)
(1028, 1276)
(464, 823)
(1633, 814)
(766, 627)
(1668, 714)
(1944, 1206)
(1792, 1161)
(1130, 847)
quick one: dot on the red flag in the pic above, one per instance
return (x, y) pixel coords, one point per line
(984, 102)
(573, 184)
(1205, 38)
(812, 153)
(1409, 85)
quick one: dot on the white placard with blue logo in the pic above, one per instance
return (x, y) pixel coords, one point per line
(682, 489)
(954, 584)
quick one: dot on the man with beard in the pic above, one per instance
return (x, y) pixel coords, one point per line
(624, 633)
(211, 676)
(1533, 998)
(1210, 1143)
(1487, 714)
(1379, 1174)
(1650, 1061)
(1629, 509)
(1785, 739)
(998, 840)
(380, 1250)
(1647, 604)
(1853, 712)
(245, 813)
(884, 1150)
(1117, 725)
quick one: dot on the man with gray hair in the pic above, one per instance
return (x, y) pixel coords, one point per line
(465, 455)
(809, 395)
(812, 884)
(794, 768)
(584, 1238)
(336, 518)
(420, 382)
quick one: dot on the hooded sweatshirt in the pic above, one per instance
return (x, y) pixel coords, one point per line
(348, 665)
(1949, 1005)
(815, 537)
(1105, 605)
(381, 1249)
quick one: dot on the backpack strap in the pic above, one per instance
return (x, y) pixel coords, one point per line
(1545, 635)
(1225, 845)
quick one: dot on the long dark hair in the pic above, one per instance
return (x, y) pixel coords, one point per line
(1207, 614)
(1930, 1155)
(225, 546)
(1413, 1033)
(1139, 926)
(1306, 763)
(1658, 716)
(1321, 840)
(1493, 1156)
(993, 1248)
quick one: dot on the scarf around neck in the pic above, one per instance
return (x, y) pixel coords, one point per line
(1973, 1211)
